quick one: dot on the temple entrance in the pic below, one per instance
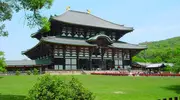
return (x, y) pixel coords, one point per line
(83, 64)
(109, 64)
(96, 63)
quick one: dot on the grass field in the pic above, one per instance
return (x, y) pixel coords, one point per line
(104, 87)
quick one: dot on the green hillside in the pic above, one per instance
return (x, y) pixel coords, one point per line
(167, 51)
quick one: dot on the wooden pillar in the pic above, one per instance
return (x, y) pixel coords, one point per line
(90, 58)
(113, 57)
(111, 36)
(52, 54)
(130, 58)
(102, 56)
(90, 33)
(64, 57)
(40, 69)
(72, 31)
(85, 32)
(122, 58)
(77, 57)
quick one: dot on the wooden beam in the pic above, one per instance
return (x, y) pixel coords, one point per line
(130, 57)
(90, 58)
(102, 57)
(122, 58)
(77, 57)
(64, 55)
(113, 56)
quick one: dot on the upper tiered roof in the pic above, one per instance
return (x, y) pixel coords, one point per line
(86, 19)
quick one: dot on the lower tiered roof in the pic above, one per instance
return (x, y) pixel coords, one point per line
(77, 42)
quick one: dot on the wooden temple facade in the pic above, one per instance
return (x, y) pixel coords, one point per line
(79, 40)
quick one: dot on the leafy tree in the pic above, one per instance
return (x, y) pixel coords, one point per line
(156, 59)
(33, 16)
(2, 63)
(17, 73)
(167, 51)
(35, 71)
(53, 88)
(28, 72)
(176, 67)
(167, 69)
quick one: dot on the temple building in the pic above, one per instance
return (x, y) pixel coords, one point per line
(79, 40)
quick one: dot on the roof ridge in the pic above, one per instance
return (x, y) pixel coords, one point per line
(93, 16)
(68, 11)
(78, 11)
(105, 20)
(108, 21)
(96, 17)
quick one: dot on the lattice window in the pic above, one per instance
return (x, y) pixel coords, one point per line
(109, 51)
(64, 31)
(55, 52)
(69, 31)
(81, 52)
(126, 55)
(75, 32)
(81, 32)
(86, 52)
(70, 64)
(73, 51)
(58, 67)
(68, 51)
(113, 35)
(93, 33)
(88, 34)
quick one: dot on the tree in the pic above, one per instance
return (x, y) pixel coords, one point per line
(32, 9)
(167, 51)
(35, 71)
(33, 16)
(2, 63)
(176, 67)
(51, 87)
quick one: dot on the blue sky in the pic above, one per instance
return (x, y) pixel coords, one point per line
(152, 20)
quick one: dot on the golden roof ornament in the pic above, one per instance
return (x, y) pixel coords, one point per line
(68, 8)
(88, 11)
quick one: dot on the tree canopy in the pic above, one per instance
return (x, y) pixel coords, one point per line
(167, 51)
(33, 16)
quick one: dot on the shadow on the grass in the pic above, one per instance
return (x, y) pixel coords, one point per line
(11, 97)
(175, 88)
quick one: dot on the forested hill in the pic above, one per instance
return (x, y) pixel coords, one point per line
(161, 51)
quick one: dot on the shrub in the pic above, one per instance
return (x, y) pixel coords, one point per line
(35, 71)
(28, 72)
(17, 73)
(4, 70)
(53, 88)
(167, 68)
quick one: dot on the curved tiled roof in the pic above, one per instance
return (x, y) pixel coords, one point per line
(86, 19)
(77, 42)
(20, 62)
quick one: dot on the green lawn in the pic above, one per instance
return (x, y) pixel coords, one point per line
(104, 87)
